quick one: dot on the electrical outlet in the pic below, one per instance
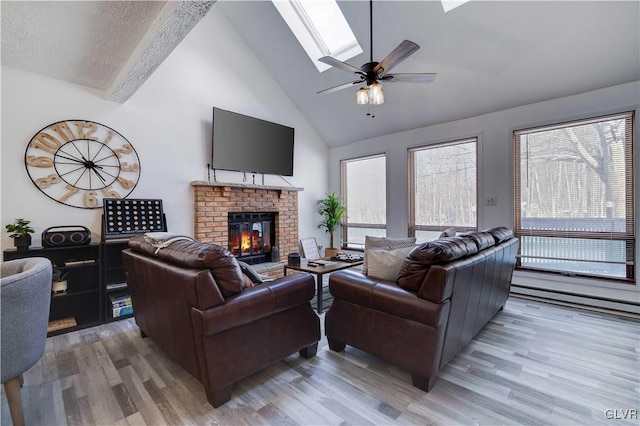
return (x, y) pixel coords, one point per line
(491, 201)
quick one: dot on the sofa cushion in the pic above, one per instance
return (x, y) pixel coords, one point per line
(389, 243)
(482, 239)
(500, 233)
(192, 254)
(386, 263)
(417, 263)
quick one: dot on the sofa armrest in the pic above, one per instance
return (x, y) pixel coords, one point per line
(255, 303)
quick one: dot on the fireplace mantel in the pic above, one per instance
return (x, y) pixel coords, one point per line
(245, 185)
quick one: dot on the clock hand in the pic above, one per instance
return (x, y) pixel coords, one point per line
(97, 174)
(69, 158)
(74, 163)
(106, 172)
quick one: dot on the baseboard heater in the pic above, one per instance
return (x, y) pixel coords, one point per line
(625, 308)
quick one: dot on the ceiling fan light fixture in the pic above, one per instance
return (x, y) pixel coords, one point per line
(362, 96)
(376, 95)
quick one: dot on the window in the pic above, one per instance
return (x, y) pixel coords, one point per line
(364, 190)
(448, 5)
(321, 29)
(443, 188)
(574, 197)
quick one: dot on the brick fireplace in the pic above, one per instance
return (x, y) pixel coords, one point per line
(214, 201)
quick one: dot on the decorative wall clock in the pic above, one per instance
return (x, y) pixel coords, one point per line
(79, 162)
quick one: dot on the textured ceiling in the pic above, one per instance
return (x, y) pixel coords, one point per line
(82, 42)
(109, 45)
(489, 55)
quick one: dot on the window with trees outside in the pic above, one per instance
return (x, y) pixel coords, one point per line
(574, 206)
(443, 188)
(364, 192)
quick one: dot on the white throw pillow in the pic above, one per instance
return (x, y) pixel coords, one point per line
(449, 232)
(383, 242)
(385, 263)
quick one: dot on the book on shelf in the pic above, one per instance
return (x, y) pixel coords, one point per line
(120, 300)
(74, 262)
(61, 324)
(122, 310)
(121, 303)
(116, 286)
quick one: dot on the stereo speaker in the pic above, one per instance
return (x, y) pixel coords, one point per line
(74, 235)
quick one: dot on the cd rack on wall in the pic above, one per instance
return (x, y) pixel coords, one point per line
(124, 218)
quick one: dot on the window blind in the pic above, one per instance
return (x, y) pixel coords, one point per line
(574, 197)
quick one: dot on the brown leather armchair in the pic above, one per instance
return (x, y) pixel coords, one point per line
(190, 299)
(447, 291)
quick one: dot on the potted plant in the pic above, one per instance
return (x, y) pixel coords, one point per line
(21, 232)
(331, 210)
(58, 281)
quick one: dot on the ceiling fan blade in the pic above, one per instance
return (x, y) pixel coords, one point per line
(409, 77)
(397, 55)
(339, 87)
(340, 65)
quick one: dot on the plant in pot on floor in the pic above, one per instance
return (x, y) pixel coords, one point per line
(21, 232)
(331, 210)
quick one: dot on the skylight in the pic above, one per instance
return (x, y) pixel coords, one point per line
(448, 5)
(321, 29)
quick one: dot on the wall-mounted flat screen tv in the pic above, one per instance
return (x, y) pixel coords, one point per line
(248, 144)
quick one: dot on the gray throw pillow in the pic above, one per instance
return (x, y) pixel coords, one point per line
(255, 277)
(390, 243)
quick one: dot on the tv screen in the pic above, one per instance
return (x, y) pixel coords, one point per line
(248, 144)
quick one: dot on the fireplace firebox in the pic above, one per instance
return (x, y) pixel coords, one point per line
(251, 236)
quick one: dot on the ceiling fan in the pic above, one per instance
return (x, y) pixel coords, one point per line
(372, 73)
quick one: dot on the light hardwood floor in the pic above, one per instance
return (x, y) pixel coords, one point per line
(534, 363)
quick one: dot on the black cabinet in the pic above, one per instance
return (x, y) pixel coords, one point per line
(77, 306)
(114, 281)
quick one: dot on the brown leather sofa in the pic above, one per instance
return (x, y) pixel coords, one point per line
(447, 290)
(190, 299)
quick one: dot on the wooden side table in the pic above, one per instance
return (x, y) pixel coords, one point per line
(319, 271)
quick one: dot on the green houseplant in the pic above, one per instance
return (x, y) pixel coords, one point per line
(21, 232)
(331, 210)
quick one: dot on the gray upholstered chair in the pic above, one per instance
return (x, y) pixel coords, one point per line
(25, 295)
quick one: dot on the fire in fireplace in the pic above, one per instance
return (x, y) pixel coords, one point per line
(251, 236)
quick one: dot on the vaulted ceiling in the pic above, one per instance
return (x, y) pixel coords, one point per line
(489, 55)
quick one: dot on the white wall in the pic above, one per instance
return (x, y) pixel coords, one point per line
(168, 121)
(495, 133)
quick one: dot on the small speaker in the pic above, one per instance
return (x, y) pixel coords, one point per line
(73, 235)
(293, 259)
